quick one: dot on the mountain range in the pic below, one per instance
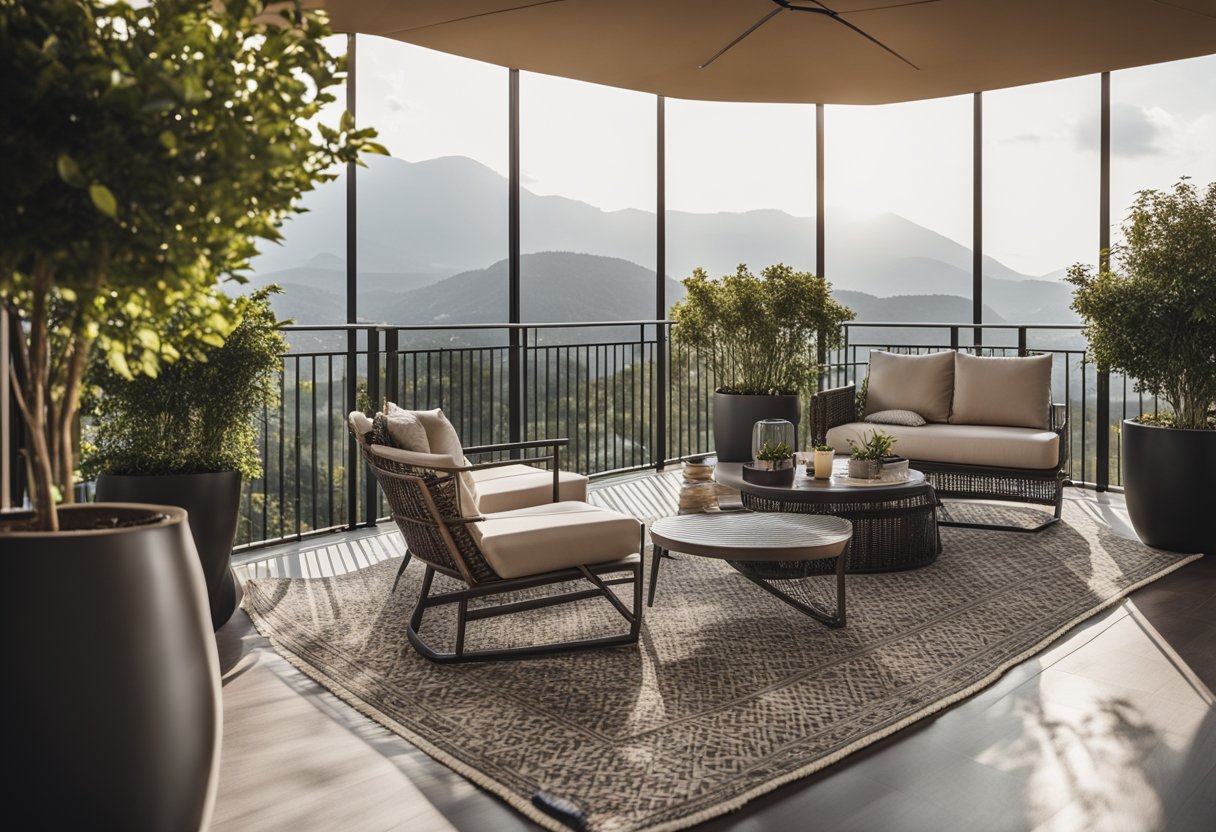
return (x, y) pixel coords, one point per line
(432, 237)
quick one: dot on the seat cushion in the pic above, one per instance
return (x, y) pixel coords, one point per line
(923, 384)
(520, 486)
(999, 447)
(530, 541)
(1002, 391)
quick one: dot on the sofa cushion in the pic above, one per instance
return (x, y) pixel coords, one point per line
(923, 384)
(520, 486)
(468, 496)
(529, 541)
(1002, 391)
(999, 447)
(896, 417)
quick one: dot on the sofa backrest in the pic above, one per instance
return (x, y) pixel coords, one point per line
(923, 384)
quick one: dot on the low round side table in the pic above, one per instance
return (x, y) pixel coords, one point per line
(894, 524)
(763, 547)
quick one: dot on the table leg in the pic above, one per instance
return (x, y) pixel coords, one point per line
(835, 619)
(656, 556)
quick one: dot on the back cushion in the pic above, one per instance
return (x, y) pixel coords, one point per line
(923, 384)
(429, 431)
(406, 429)
(1002, 391)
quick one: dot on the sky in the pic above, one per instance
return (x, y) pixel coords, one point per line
(597, 144)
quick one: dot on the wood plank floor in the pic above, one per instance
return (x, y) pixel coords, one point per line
(1113, 728)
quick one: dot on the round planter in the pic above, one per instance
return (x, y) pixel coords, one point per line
(768, 476)
(115, 689)
(213, 503)
(1169, 483)
(735, 415)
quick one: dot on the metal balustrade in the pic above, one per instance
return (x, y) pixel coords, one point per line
(620, 391)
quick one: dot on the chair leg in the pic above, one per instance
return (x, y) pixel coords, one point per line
(405, 561)
(465, 615)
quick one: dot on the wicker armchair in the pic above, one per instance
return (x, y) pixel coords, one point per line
(1041, 486)
(438, 525)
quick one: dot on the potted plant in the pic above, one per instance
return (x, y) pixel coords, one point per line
(825, 457)
(1154, 319)
(773, 465)
(186, 436)
(865, 460)
(758, 336)
(145, 150)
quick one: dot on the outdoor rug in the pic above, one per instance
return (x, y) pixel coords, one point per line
(729, 693)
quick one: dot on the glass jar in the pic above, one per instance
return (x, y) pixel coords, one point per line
(772, 433)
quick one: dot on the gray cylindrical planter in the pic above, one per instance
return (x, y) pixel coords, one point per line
(1169, 483)
(735, 415)
(114, 696)
(213, 503)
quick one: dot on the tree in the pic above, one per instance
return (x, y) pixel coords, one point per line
(145, 152)
(1156, 322)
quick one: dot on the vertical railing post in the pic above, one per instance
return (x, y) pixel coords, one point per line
(821, 360)
(392, 390)
(370, 500)
(352, 447)
(515, 367)
(658, 446)
(954, 337)
(1022, 341)
(1102, 468)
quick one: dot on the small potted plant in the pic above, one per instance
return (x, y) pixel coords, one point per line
(865, 461)
(774, 465)
(825, 456)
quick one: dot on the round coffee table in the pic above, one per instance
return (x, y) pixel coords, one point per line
(763, 547)
(894, 524)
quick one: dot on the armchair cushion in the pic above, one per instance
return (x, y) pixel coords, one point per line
(1002, 391)
(530, 541)
(923, 384)
(407, 430)
(520, 486)
(427, 431)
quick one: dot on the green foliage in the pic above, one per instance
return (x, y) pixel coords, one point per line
(1156, 322)
(198, 414)
(774, 452)
(144, 153)
(823, 448)
(759, 335)
(877, 446)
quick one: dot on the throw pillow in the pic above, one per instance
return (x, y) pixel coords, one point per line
(1013, 392)
(896, 417)
(406, 429)
(923, 384)
(441, 439)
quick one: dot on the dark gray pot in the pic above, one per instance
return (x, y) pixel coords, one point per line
(1169, 482)
(736, 415)
(114, 689)
(213, 502)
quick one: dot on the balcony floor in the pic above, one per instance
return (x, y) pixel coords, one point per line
(296, 757)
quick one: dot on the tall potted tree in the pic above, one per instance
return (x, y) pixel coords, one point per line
(759, 338)
(187, 436)
(1155, 320)
(143, 152)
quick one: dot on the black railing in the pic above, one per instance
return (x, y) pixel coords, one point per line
(620, 391)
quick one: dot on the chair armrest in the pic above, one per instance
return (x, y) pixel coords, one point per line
(555, 444)
(517, 446)
(1059, 424)
(830, 408)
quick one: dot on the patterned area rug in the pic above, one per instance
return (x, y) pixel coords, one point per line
(729, 694)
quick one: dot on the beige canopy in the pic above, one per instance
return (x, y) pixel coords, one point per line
(662, 46)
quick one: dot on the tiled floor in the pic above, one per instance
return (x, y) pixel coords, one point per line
(1113, 728)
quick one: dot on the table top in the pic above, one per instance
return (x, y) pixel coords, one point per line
(747, 535)
(809, 490)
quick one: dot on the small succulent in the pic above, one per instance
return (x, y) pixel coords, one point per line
(823, 448)
(774, 452)
(876, 446)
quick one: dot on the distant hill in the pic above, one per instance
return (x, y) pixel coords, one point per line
(421, 221)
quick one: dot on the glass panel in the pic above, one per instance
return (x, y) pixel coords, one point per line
(587, 227)
(1041, 170)
(740, 186)
(432, 218)
(899, 207)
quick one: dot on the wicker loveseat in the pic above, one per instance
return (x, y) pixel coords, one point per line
(989, 429)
